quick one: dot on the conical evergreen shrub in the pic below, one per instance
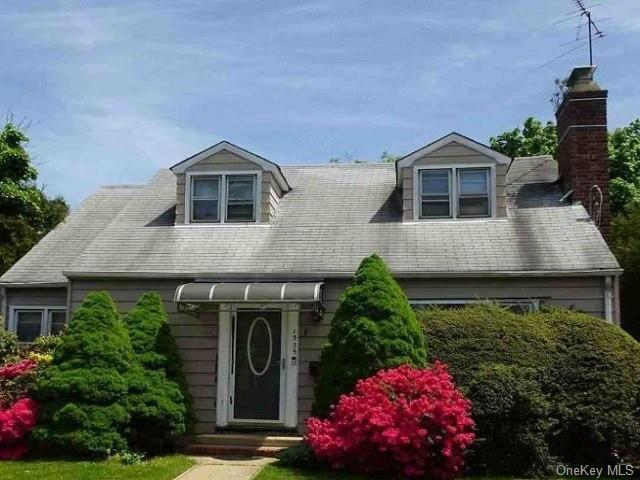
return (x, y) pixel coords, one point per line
(374, 327)
(82, 392)
(166, 405)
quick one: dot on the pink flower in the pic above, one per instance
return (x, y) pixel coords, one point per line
(408, 421)
(15, 423)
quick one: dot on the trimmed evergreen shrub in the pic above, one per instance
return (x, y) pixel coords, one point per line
(82, 392)
(155, 346)
(587, 371)
(512, 415)
(299, 456)
(373, 328)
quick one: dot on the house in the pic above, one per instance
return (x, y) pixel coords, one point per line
(250, 257)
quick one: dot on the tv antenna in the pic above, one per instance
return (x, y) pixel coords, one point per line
(591, 25)
(593, 30)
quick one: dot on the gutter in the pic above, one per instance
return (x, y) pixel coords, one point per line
(34, 284)
(200, 276)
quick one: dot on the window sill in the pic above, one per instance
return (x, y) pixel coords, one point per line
(222, 225)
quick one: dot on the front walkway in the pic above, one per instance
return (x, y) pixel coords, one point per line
(212, 468)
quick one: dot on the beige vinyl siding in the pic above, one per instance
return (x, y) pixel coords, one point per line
(581, 293)
(453, 154)
(226, 161)
(196, 336)
(33, 297)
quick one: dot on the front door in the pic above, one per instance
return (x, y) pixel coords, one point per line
(256, 367)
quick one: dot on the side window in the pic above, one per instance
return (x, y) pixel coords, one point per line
(28, 324)
(435, 193)
(473, 192)
(205, 198)
(241, 198)
(57, 321)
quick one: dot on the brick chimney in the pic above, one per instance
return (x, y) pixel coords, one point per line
(582, 152)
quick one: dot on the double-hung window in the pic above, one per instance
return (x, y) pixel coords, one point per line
(454, 192)
(205, 198)
(473, 192)
(241, 198)
(222, 198)
(435, 193)
(30, 322)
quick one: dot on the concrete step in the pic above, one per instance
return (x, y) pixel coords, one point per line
(255, 440)
(232, 451)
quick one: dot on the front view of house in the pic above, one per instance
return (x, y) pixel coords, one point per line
(251, 257)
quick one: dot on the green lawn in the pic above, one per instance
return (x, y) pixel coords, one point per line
(161, 468)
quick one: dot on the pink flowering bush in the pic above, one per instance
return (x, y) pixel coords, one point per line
(18, 412)
(404, 420)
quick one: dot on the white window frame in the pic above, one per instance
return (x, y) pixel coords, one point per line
(222, 202)
(421, 194)
(45, 326)
(226, 203)
(459, 196)
(453, 191)
(193, 199)
(507, 302)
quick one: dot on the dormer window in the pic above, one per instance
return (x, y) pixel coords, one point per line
(205, 198)
(222, 198)
(456, 192)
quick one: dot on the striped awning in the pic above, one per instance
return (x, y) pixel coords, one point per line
(268, 292)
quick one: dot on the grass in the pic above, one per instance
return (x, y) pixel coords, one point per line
(160, 468)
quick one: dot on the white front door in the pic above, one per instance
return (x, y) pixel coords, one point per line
(257, 365)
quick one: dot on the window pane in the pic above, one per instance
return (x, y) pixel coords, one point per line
(29, 325)
(435, 181)
(58, 320)
(240, 212)
(205, 210)
(435, 209)
(474, 207)
(473, 182)
(241, 187)
(205, 187)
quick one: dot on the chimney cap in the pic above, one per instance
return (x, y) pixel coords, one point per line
(581, 79)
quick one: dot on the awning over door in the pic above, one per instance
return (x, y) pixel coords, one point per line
(289, 292)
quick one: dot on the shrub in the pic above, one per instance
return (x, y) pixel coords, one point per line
(298, 456)
(8, 346)
(83, 390)
(587, 370)
(407, 421)
(15, 423)
(155, 347)
(595, 386)
(512, 414)
(373, 328)
(45, 344)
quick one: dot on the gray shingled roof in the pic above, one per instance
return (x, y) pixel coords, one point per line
(333, 217)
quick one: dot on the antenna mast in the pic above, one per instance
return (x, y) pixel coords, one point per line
(593, 28)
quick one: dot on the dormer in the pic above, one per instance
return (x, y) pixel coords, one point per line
(226, 184)
(453, 178)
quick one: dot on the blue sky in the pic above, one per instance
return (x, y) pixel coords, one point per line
(115, 90)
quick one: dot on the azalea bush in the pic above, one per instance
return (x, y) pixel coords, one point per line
(18, 412)
(404, 420)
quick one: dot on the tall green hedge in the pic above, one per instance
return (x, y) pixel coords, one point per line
(82, 392)
(552, 383)
(157, 352)
(374, 327)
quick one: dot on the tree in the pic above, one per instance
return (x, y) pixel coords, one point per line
(385, 157)
(26, 213)
(154, 344)
(626, 247)
(373, 328)
(82, 392)
(534, 139)
(624, 166)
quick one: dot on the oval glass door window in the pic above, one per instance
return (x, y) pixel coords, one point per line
(259, 346)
